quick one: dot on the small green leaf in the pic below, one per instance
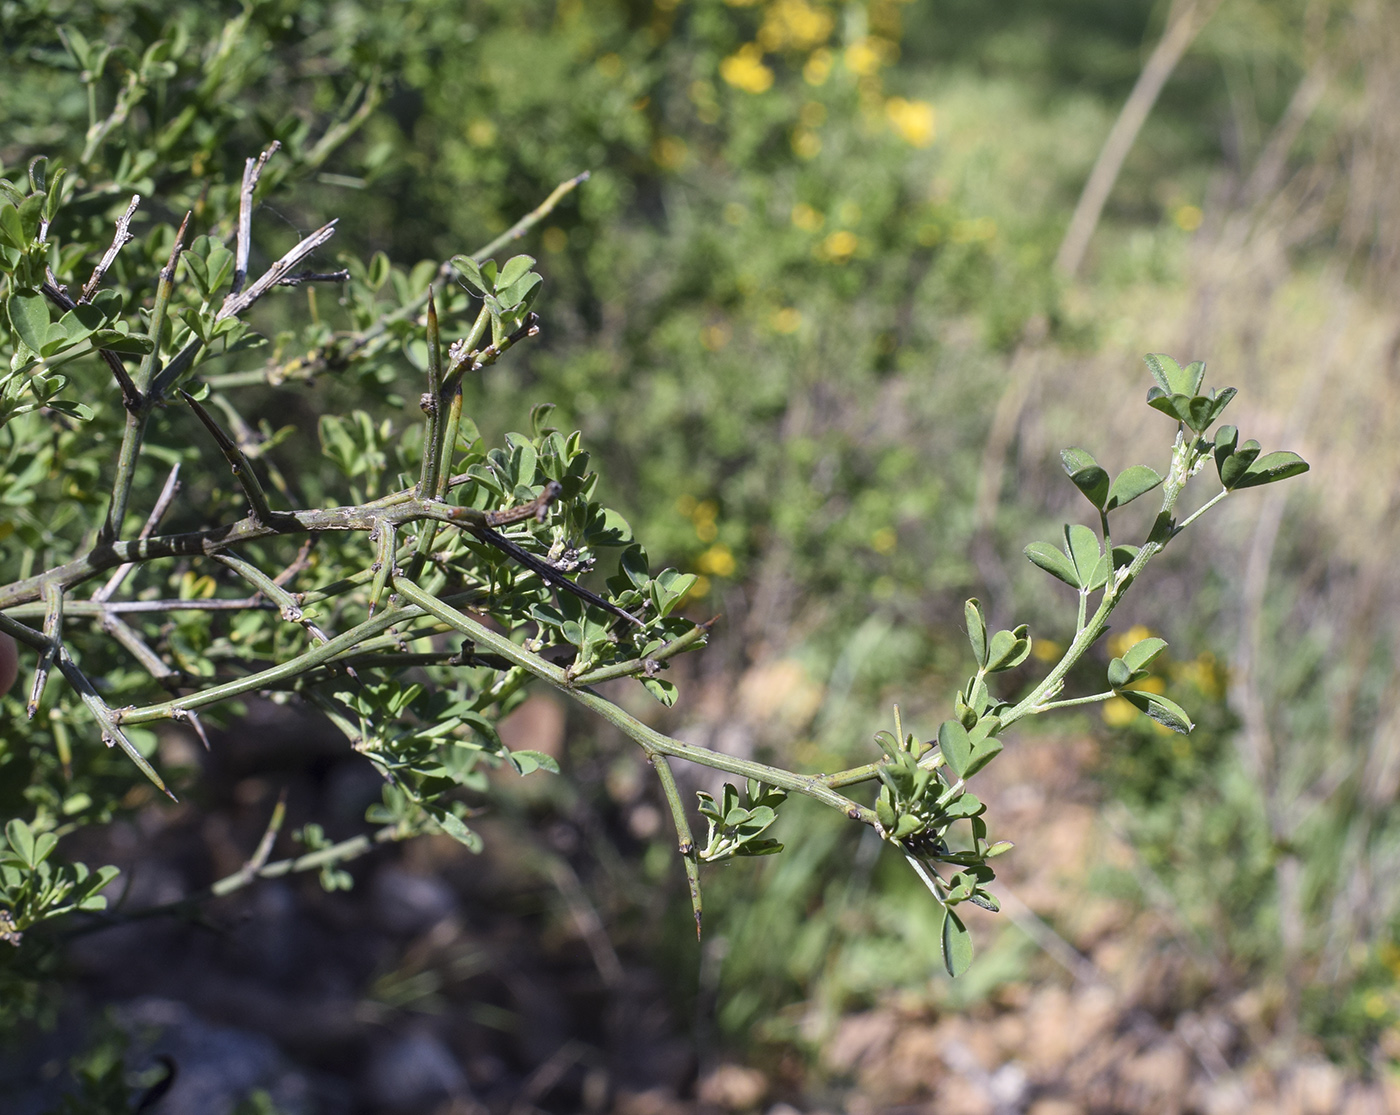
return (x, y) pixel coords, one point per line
(1167, 713)
(1172, 377)
(1008, 649)
(1272, 467)
(1233, 468)
(11, 231)
(1119, 674)
(663, 691)
(29, 315)
(1088, 475)
(455, 828)
(31, 213)
(955, 746)
(517, 295)
(1226, 438)
(964, 805)
(130, 344)
(607, 528)
(983, 752)
(884, 812)
(1084, 550)
(1173, 406)
(472, 272)
(21, 838)
(1205, 409)
(976, 630)
(515, 267)
(999, 848)
(957, 944)
(1143, 652)
(1053, 561)
(1132, 482)
(44, 846)
(889, 745)
(1197, 412)
(526, 762)
(1165, 371)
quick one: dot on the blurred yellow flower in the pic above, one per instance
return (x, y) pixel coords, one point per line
(715, 335)
(481, 133)
(670, 153)
(1119, 713)
(973, 231)
(1119, 645)
(609, 65)
(787, 320)
(745, 70)
(884, 540)
(794, 24)
(704, 515)
(1188, 218)
(913, 120)
(717, 561)
(805, 144)
(806, 218)
(864, 57)
(818, 67)
(840, 245)
(554, 239)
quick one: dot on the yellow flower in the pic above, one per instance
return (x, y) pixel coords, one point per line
(787, 320)
(715, 335)
(818, 67)
(805, 217)
(717, 561)
(805, 144)
(913, 120)
(884, 540)
(481, 133)
(1119, 645)
(864, 57)
(1188, 218)
(745, 70)
(669, 153)
(795, 24)
(840, 245)
(703, 516)
(1119, 713)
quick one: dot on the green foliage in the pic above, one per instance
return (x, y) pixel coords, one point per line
(741, 307)
(33, 889)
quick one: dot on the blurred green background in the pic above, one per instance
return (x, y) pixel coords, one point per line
(807, 312)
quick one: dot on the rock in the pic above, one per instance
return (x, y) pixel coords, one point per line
(412, 1071)
(407, 903)
(216, 1066)
(733, 1087)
